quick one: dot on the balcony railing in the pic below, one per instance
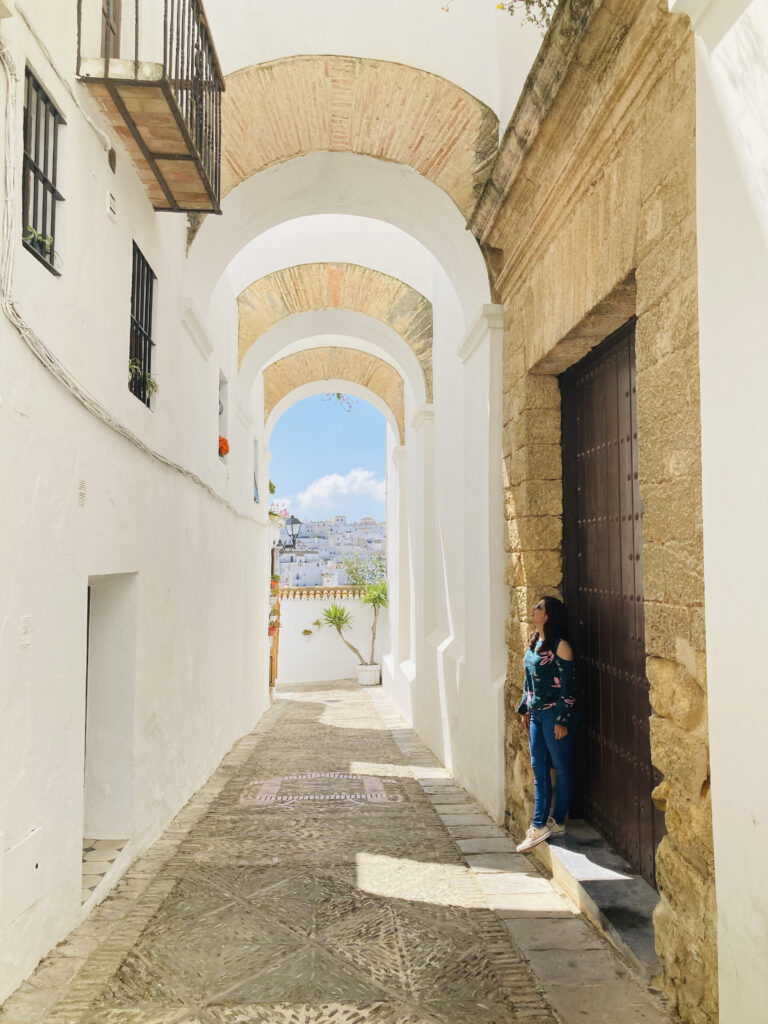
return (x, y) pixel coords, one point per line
(152, 66)
(344, 591)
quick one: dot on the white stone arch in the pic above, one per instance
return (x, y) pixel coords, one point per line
(400, 516)
(318, 387)
(343, 183)
(348, 328)
(435, 475)
(336, 238)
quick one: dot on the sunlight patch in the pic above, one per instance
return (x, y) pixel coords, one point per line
(446, 885)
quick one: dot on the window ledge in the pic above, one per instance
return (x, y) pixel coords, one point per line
(41, 259)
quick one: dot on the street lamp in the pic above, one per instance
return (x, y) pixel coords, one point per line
(292, 526)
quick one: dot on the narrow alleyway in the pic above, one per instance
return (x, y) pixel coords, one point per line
(330, 871)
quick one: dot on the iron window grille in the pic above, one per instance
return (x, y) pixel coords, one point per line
(40, 194)
(111, 14)
(140, 380)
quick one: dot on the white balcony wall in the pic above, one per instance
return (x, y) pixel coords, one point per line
(320, 655)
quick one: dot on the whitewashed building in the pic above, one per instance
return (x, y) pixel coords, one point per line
(321, 546)
(182, 262)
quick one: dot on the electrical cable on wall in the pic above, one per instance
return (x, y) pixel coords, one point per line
(35, 344)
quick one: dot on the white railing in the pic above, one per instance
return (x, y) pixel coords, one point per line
(343, 593)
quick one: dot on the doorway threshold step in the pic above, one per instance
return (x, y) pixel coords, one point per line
(619, 902)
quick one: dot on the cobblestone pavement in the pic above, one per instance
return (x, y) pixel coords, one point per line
(330, 871)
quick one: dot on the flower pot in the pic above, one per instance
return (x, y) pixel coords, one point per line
(273, 584)
(369, 675)
(272, 630)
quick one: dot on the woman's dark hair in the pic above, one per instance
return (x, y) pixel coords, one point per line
(556, 628)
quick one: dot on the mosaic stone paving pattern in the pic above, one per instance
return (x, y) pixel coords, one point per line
(310, 881)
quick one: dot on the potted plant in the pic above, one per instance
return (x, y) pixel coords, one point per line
(337, 616)
(274, 581)
(137, 376)
(278, 513)
(42, 245)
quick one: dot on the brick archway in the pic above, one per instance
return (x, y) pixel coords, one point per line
(285, 108)
(347, 286)
(337, 364)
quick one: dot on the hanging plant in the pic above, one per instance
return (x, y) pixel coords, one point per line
(537, 12)
(345, 401)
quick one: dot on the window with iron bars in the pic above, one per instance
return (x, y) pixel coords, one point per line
(140, 380)
(40, 194)
(111, 15)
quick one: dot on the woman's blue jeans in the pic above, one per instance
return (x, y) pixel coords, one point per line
(548, 753)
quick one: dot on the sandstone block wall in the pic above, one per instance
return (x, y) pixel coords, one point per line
(588, 219)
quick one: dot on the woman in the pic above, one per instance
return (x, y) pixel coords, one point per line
(547, 708)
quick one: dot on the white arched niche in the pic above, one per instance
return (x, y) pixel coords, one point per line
(347, 329)
(338, 183)
(337, 238)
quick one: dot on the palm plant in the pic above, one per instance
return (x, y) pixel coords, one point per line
(338, 618)
(376, 597)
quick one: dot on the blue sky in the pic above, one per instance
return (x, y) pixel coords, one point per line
(327, 461)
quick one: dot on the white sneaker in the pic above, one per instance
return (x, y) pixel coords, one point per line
(554, 828)
(533, 837)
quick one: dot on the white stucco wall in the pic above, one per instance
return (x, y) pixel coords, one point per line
(321, 656)
(179, 647)
(732, 204)
(449, 657)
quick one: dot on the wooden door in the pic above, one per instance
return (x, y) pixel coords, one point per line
(603, 558)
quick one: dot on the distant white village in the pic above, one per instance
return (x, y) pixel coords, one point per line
(322, 548)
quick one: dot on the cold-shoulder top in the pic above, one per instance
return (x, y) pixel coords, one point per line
(548, 684)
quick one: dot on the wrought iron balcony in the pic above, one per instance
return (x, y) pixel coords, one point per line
(159, 83)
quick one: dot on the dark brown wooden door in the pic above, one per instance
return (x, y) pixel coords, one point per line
(603, 556)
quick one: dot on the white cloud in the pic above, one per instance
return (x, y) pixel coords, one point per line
(329, 494)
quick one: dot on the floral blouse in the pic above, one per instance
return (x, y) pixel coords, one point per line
(548, 685)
